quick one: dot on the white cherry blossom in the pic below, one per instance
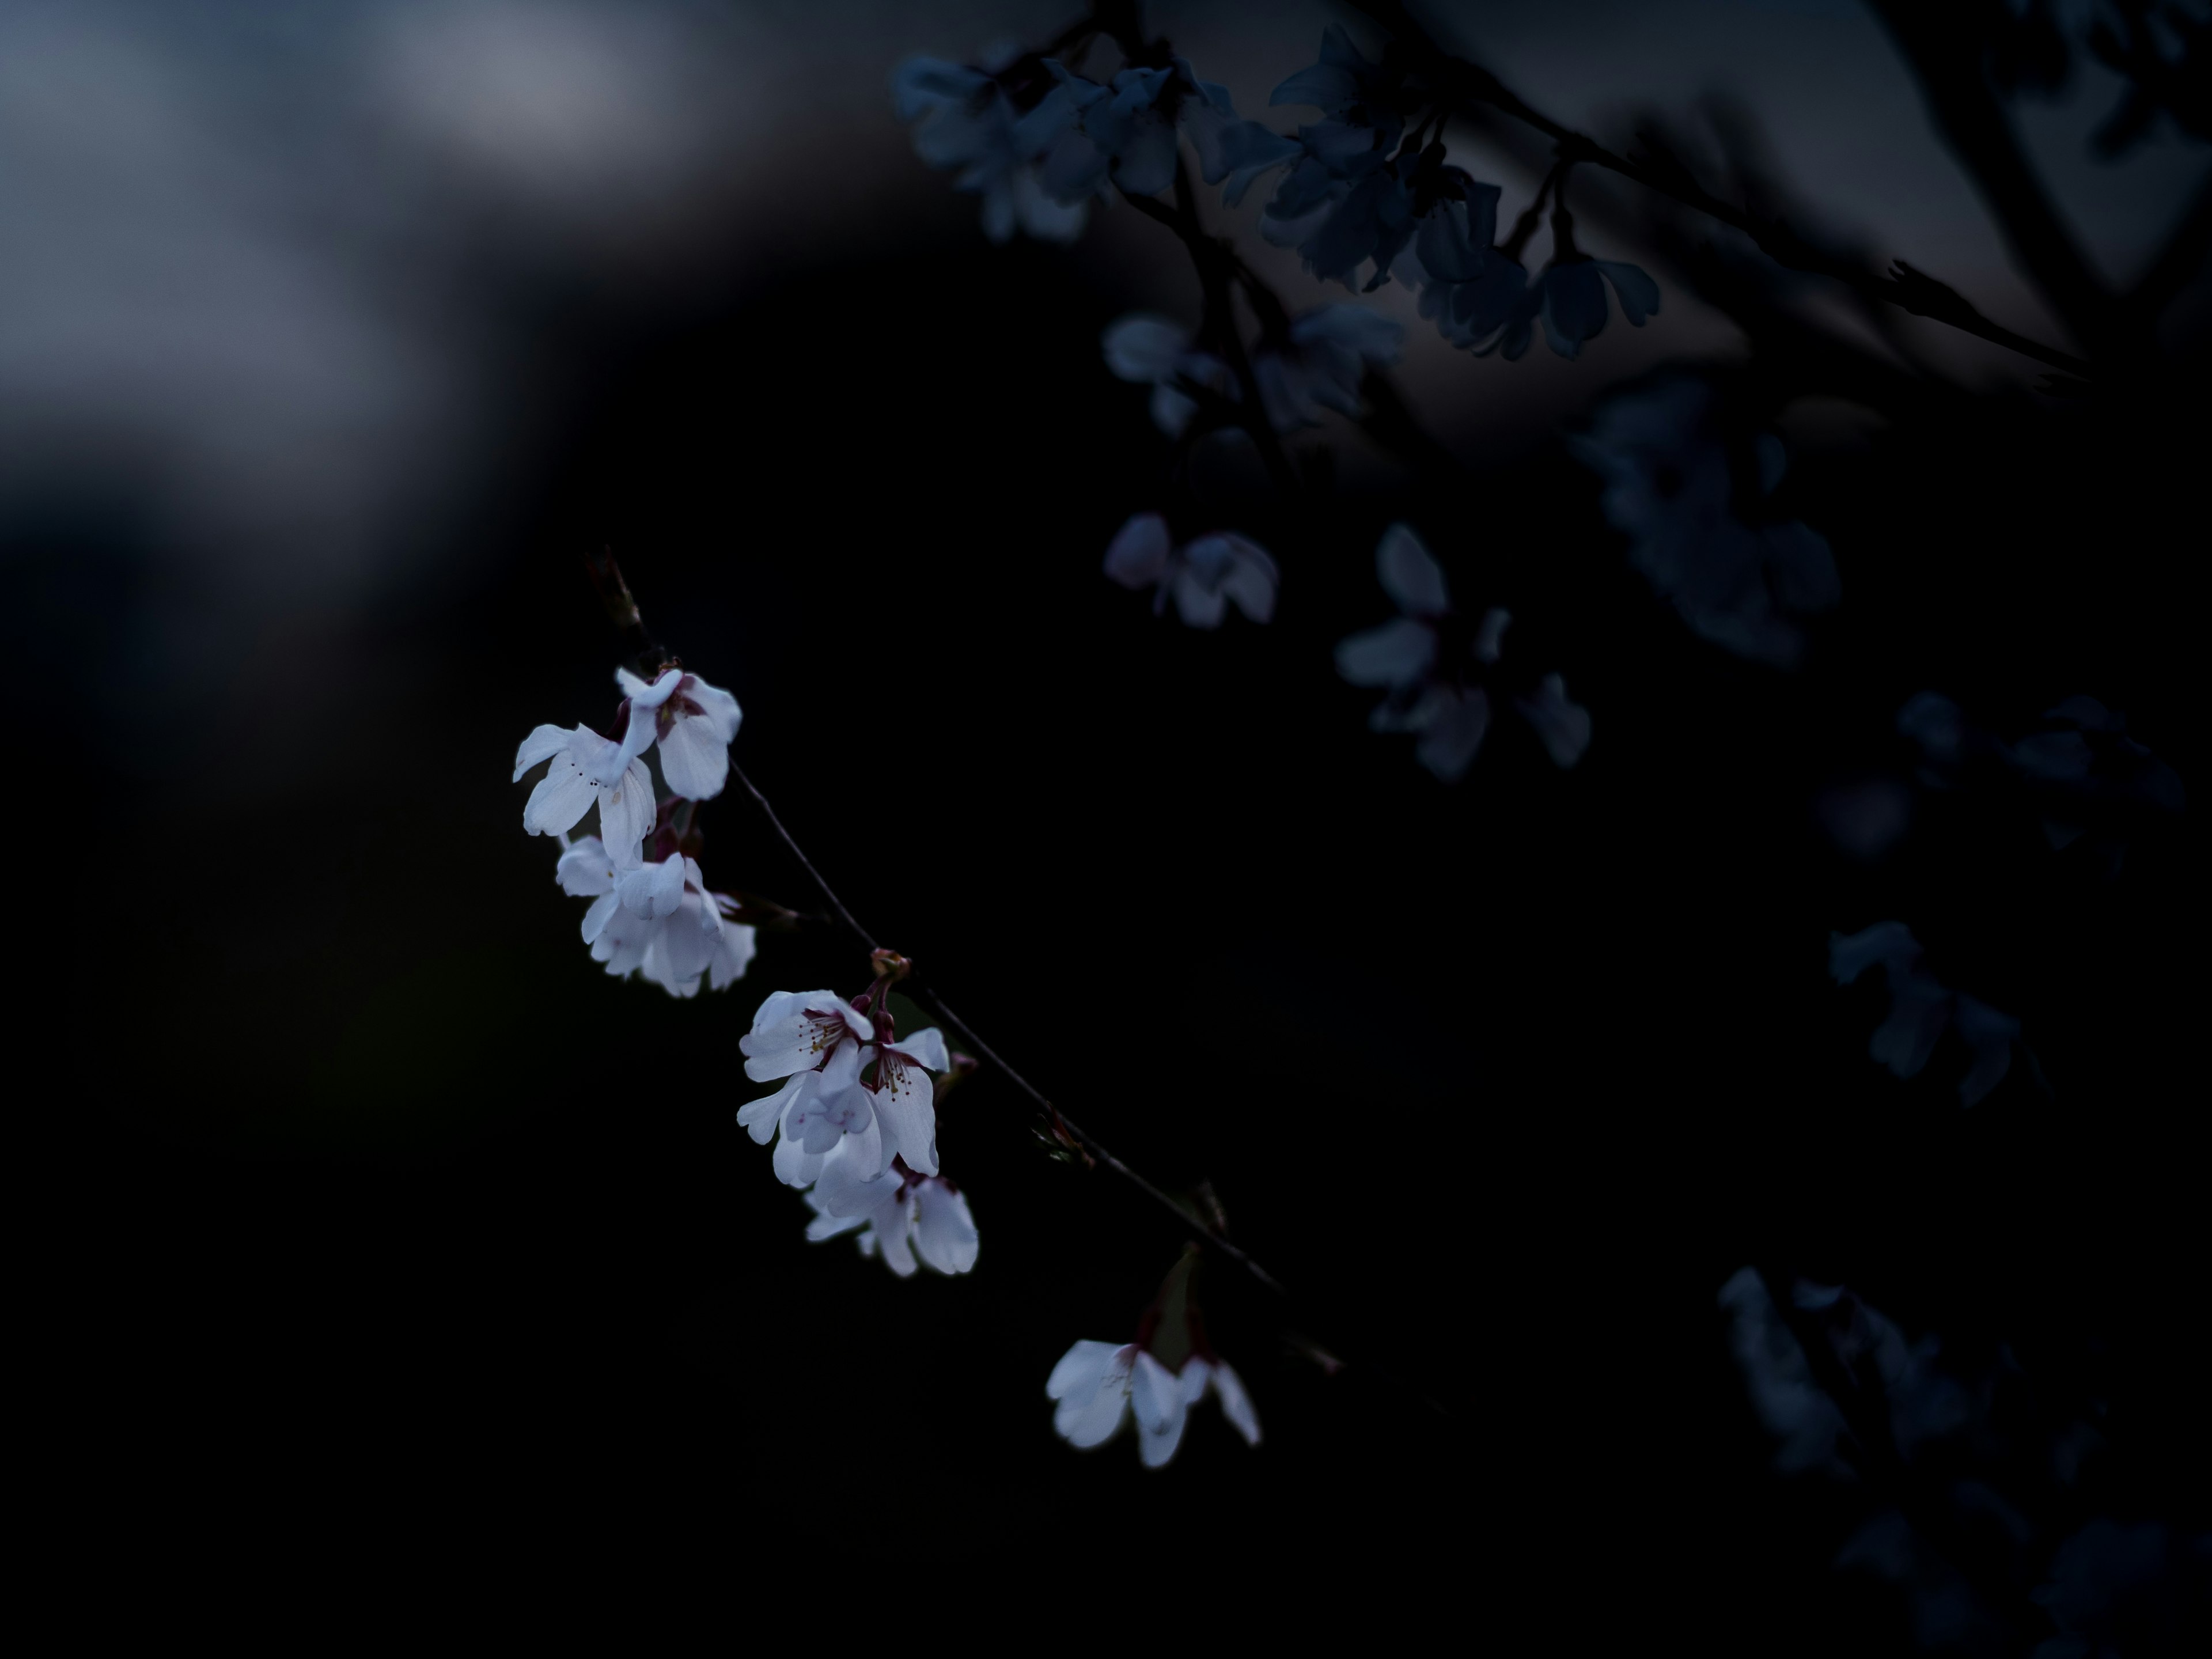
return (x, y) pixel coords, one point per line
(657, 919)
(908, 1217)
(837, 1127)
(587, 770)
(693, 722)
(1097, 1385)
(1203, 577)
(798, 1030)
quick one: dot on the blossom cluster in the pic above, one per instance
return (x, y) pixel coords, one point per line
(1154, 1380)
(1363, 197)
(1688, 481)
(1436, 667)
(651, 911)
(855, 1120)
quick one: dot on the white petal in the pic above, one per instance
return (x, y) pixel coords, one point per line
(650, 696)
(1447, 747)
(944, 1231)
(1091, 1416)
(695, 759)
(563, 796)
(1235, 1404)
(1564, 726)
(626, 811)
(759, 1118)
(829, 1226)
(597, 918)
(586, 869)
(1145, 347)
(1397, 654)
(716, 706)
(543, 743)
(905, 1100)
(1198, 605)
(1139, 551)
(853, 1181)
(897, 1245)
(654, 890)
(734, 954)
(1078, 1369)
(925, 1047)
(1252, 577)
(793, 1165)
(1155, 1401)
(1410, 575)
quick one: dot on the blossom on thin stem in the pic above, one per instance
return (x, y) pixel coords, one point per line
(1203, 577)
(587, 770)
(1155, 1379)
(655, 918)
(908, 1218)
(693, 722)
(1433, 666)
(856, 1096)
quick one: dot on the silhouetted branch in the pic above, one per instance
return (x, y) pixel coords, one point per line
(1470, 82)
(1947, 48)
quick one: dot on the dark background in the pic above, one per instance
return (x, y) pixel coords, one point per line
(368, 1188)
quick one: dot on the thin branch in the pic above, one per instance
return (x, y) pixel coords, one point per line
(1946, 48)
(1915, 292)
(917, 987)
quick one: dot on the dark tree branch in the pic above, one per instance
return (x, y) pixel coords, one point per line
(1471, 83)
(1948, 48)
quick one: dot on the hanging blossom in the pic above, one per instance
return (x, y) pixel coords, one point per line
(1688, 484)
(694, 723)
(1921, 1009)
(908, 1217)
(1203, 577)
(587, 770)
(1433, 666)
(1156, 1379)
(655, 918)
(856, 1094)
(1318, 363)
(991, 128)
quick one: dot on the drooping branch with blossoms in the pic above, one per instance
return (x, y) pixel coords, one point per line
(1693, 473)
